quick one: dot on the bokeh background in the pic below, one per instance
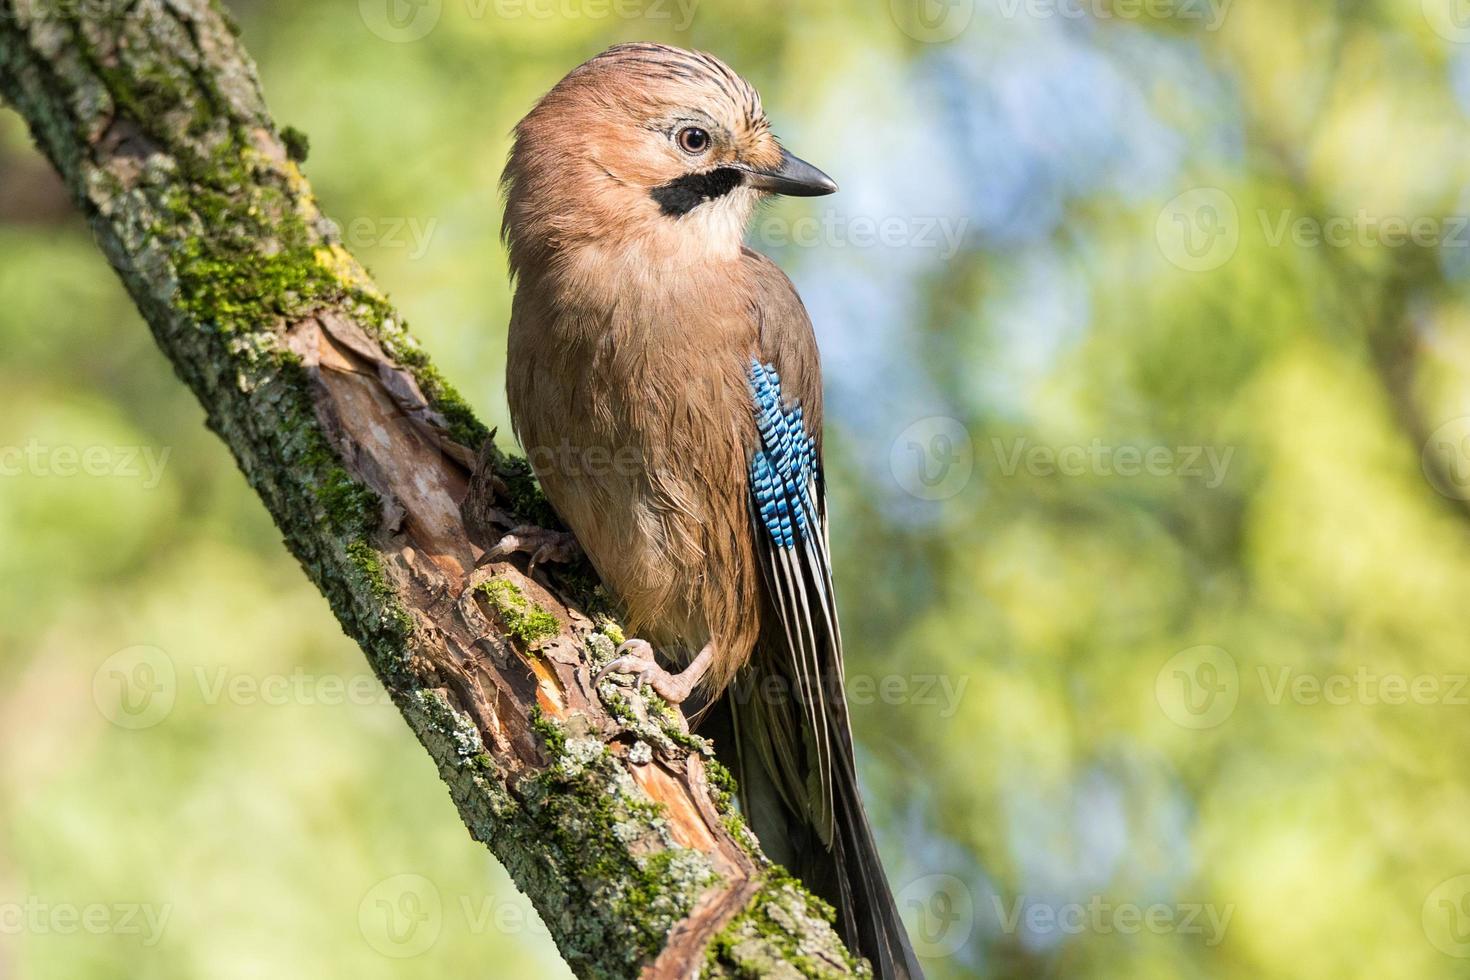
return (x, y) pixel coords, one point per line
(1148, 363)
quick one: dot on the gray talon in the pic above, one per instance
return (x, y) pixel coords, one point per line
(635, 659)
(538, 542)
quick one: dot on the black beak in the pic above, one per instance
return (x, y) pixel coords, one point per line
(794, 177)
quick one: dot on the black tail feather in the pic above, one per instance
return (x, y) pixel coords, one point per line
(848, 874)
(868, 913)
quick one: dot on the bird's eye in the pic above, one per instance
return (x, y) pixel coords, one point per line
(692, 139)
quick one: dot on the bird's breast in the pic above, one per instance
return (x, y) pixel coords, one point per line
(636, 418)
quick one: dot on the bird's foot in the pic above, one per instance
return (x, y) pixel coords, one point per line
(538, 542)
(635, 658)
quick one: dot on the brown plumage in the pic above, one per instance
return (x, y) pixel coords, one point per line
(638, 321)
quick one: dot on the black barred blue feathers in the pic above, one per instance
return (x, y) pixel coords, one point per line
(783, 471)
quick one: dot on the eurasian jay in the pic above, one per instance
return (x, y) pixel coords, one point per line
(664, 380)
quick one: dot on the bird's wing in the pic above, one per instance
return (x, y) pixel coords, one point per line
(789, 516)
(802, 798)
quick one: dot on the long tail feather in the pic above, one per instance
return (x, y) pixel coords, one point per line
(849, 873)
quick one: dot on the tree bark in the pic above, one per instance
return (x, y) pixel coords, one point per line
(606, 811)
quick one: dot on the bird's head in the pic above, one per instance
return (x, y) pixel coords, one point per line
(648, 152)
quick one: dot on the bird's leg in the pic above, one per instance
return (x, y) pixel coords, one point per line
(540, 543)
(635, 657)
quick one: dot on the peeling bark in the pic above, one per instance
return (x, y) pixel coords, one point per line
(607, 812)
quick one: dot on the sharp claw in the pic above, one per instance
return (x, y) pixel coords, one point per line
(539, 543)
(635, 658)
(505, 547)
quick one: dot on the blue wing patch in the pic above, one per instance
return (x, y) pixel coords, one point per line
(797, 570)
(783, 471)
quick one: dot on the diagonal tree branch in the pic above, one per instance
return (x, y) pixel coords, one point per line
(608, 813)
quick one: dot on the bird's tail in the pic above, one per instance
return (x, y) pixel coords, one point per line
(848, 871)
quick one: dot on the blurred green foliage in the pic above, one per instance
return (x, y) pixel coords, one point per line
(1149, 461)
